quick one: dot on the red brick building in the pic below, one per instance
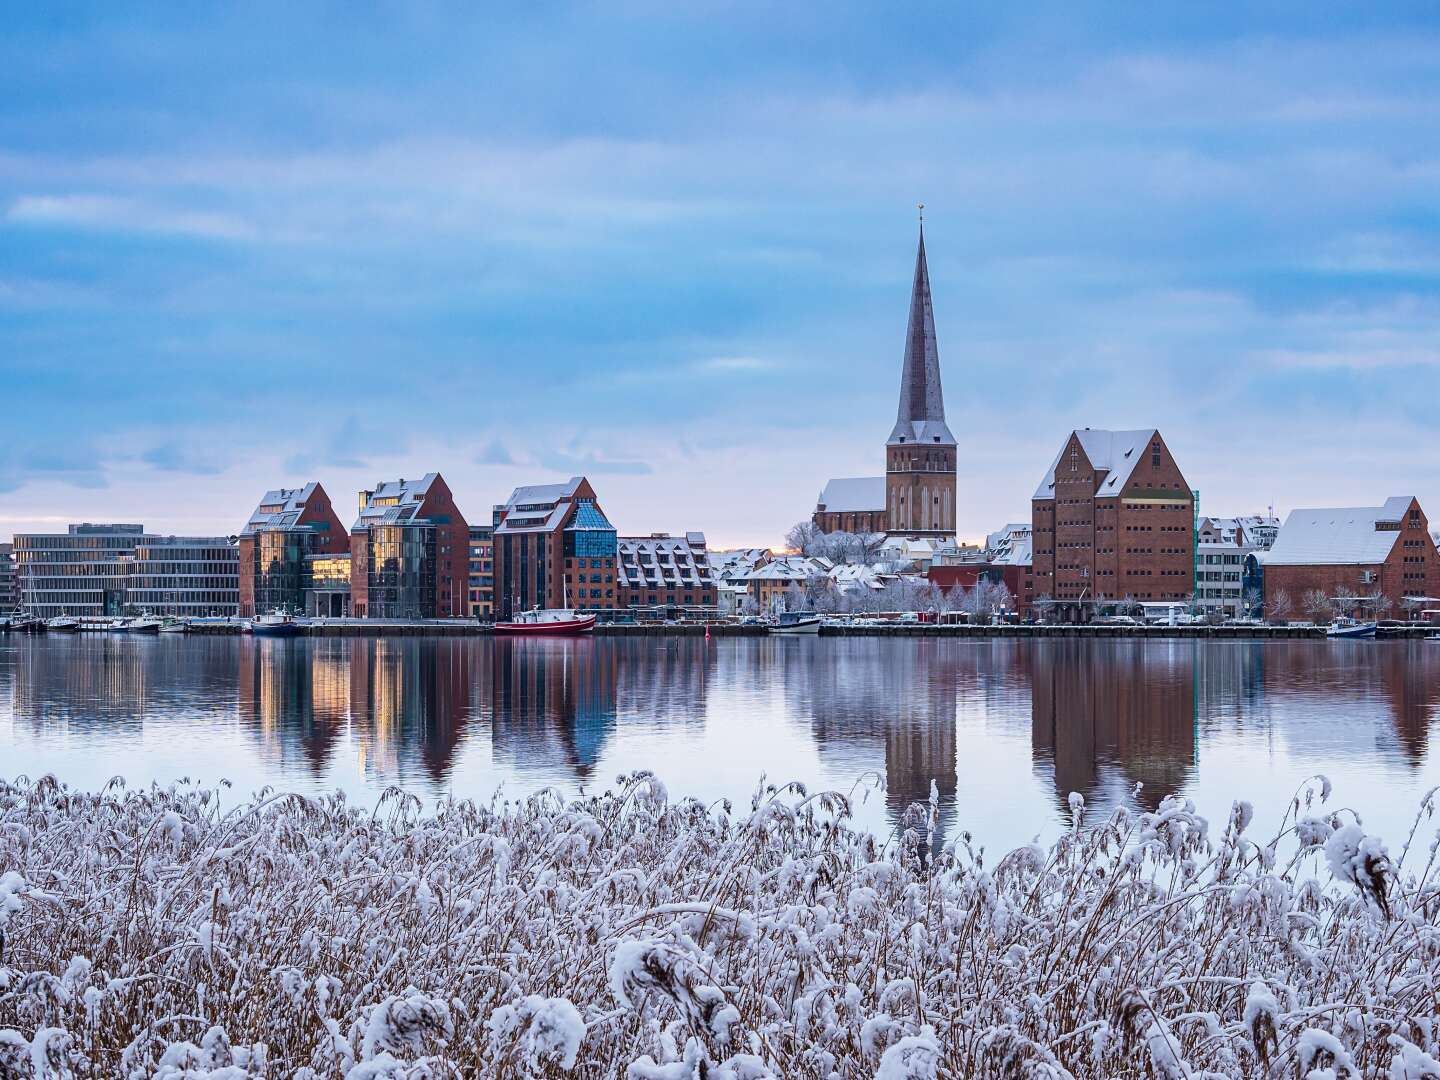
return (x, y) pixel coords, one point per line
(409, 552)
(554, 548)
(288, 526)
(1112, 519)
(664, 571)
(1383, 555)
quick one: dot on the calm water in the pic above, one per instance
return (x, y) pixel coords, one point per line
(1006, 728)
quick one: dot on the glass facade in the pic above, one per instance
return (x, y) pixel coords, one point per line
(100, 570)
(402, 571)
(327, 585)
(8, 595)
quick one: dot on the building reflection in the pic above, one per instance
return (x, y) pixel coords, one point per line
(1108, 715)
(409, 703)
(552, 703)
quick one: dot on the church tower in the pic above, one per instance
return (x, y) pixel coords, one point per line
(920, 453)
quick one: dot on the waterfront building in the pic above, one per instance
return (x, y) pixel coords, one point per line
(916, 496)
(482, 572)
(665, 574)
(554, 547)
(1222, 545)
(326, 585)
(9, 594)
(409, 552)
(768, 585)
(1113, 519)
(1006, 560)
(99, 570)
(288, 527)
(1383, 555)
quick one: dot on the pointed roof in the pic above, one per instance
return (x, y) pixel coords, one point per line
(1112, 452)
(921, 416)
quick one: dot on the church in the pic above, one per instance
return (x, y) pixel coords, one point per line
(916, 496)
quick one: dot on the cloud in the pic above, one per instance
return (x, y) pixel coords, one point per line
(121, 214)
(732, 364)
(173, 457)
(496, 453)
(587, 463)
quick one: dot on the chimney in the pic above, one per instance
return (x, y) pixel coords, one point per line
(365, 498)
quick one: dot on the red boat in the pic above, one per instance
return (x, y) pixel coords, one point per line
(547, 622)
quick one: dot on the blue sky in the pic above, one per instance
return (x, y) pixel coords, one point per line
(670, 246)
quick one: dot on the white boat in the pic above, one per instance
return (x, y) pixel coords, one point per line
(146, 624)
(119, 626)
(1350, 628)
(62, 624)
(797, 622)
(173, 626)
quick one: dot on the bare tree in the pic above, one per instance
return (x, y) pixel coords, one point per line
(749, 605)
(1316, 605)
(1044, 604)
(1281, 607)
(802, 537)
(1346, 601)
(1380, 604)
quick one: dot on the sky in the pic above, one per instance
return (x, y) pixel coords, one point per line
(670, 247)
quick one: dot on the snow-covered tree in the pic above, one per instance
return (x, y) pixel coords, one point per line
(1316, 605)
(1281, 606)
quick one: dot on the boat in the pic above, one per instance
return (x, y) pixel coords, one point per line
(62, 624)
(118, 626)
(173, 626)
(797, 622)
(25, 623)
(146, 624)
(547, 622)
(276, 624)
(1350, 628)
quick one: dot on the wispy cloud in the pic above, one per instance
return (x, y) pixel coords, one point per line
(592, 463)
(495, 453)
(123, 214)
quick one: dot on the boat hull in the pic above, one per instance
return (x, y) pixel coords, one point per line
(1350, 632)
(275, 630)
(559, 628)
(804, 626)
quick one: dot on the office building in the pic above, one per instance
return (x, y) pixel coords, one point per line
(288, 527)
(107, 570)
(409, 552)
(554, 548)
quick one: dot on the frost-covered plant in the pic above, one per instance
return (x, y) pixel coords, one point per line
(160, 933)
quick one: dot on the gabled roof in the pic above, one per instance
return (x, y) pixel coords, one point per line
(1344, 536)
(854, 494)
(542, 508)
(1117, 452)
(394, 502)
(921, 416)
(279, 508)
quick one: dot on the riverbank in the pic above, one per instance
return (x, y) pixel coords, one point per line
(176, 932)
(466, 628)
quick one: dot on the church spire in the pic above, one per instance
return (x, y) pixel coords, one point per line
(921, 417)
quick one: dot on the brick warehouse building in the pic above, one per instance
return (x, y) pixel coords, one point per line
(1383, 552)
(666, 572)
(1112, 519)
(288, 526)
(916, 496)
(409, 552)
(554, 548)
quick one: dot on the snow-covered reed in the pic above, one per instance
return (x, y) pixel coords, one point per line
(165, 933)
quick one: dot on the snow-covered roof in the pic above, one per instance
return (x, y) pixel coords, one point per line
(280, 508)
(542, 508)
(657, 561)
(1116, 452)
(853, 494)
(394, 501)
(533, 494)
(1344, 536)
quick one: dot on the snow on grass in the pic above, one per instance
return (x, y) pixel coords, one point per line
(161, 933)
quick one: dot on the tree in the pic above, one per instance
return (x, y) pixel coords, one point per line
(1281, 606)
(749, 605)
(1346, 601)
(803, 536)
(1380, 604)
(1316, 605)
(1044, 604)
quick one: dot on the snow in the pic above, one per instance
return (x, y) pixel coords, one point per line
(632, 933)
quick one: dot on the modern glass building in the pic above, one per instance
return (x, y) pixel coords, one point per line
(8, 596)
(409, 552)
(99, 570)
(288, 527)
(554, 547)
(401, 571)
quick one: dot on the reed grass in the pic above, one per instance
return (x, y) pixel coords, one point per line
(169, 933)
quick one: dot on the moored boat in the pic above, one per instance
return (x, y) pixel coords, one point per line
(547, 622)
(1350, 628)
(146, 624)
(797, 622)
(276, 624)
(118, 626)
(25, 623)
(62, 624)
(173, 626)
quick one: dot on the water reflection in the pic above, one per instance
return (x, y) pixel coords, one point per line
(1104, 718)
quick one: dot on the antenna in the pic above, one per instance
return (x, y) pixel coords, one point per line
(921, 208)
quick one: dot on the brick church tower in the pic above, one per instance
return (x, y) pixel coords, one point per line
(920, 453)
